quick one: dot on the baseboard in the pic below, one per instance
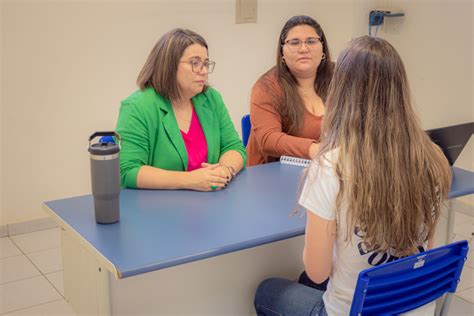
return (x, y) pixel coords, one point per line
(3, 231)
(31, 226)
(463, 207)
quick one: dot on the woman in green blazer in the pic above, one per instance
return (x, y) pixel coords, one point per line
(176, 131)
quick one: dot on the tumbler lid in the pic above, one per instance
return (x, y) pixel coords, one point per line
(106, 147)
(103, 149)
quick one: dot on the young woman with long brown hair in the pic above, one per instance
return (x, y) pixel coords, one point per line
(287, 102)
(375, 190)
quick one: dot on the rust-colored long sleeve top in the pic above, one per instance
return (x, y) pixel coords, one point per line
(267, 141)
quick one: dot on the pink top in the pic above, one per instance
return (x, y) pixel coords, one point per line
(195, 143)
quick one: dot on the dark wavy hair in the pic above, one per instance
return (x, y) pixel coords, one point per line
(290, 102)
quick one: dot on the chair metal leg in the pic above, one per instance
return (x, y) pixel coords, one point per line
(439, 305)
(450, 225)
(447, 301)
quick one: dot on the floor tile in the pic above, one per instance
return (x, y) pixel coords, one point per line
(460, 307)
(470, 260)
(461, 218)
(56, 308)
(16, 268)
(465, 229)
(37, 241)
(8, 248)
(26, 293)
(56, 278)
(47, 261)
(467, 280)
(459, 237)
(467, 295)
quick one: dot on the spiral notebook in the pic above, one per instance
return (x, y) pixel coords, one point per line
(295, 161)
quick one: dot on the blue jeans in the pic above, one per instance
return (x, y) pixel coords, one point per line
(280, 297)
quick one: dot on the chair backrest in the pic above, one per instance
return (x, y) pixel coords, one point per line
(246, 125)
(409, 283)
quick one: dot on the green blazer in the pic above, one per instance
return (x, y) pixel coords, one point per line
(151, 136)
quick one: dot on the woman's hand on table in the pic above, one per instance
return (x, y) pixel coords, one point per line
(209, 177)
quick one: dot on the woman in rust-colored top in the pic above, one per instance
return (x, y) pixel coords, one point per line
(287, 102)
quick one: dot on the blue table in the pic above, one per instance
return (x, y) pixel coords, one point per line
(165, 229)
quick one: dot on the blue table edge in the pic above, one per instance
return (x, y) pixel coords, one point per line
(174, 261)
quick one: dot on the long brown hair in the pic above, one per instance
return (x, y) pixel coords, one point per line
(289, 102)
(393, 178)
(161, 66)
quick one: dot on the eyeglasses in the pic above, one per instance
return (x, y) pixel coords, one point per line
(295, 44)
(197, 65)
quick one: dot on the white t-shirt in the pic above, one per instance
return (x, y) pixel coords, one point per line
(349, 257)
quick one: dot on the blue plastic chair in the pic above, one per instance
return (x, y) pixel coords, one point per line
(411, 282)
(246, 125)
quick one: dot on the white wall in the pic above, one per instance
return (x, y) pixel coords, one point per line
(2, 213)
(67, 65)
(435, 41)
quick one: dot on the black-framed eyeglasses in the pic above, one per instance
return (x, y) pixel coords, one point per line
(295, 44)
(197, 65)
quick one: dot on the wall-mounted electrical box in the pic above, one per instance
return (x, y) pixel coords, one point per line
(376, 18)
(245, 11)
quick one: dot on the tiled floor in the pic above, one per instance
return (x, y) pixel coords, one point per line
(31, 277)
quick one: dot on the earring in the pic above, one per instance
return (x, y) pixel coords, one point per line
(283, 60)
(323, 57)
